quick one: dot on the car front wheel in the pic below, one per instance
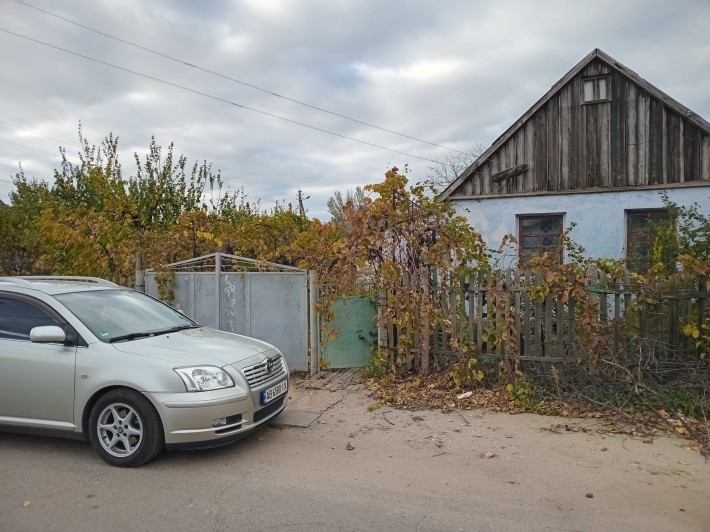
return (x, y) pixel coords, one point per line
(125, 429)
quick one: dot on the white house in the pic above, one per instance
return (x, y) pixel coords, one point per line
(596, 150)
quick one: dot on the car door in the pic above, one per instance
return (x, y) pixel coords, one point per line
(36, 379)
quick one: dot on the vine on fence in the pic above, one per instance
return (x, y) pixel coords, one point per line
(165, 279)
(405, 243)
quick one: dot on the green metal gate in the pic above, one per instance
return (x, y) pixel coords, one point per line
(349, 338)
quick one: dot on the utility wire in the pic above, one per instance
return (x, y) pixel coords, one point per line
(207, 95)
(28, 147)
(235, 80)
(39, 134)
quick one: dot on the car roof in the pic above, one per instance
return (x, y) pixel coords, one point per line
(58, 284)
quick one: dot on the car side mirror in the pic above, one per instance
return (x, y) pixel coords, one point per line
(48, 334)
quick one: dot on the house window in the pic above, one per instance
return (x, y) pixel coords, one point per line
(538, 234)
(640, 231)
(596, 89)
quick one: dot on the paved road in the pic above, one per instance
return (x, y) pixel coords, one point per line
(405, 471)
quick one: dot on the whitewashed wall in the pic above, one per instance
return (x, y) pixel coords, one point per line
(600, 216)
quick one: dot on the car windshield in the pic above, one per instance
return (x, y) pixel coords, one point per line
(122, 315)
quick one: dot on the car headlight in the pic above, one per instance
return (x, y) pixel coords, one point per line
(204, 378)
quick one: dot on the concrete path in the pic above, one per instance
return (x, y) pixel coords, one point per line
(306, 404)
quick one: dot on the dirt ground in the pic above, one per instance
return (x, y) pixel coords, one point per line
(593, 480)
(329, 463)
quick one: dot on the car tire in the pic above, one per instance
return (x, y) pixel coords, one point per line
(125, 429)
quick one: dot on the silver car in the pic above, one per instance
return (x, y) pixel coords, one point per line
(85, 358)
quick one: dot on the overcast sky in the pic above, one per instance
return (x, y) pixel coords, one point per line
(453, 73)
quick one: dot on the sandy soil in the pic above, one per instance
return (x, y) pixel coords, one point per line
(591, 480)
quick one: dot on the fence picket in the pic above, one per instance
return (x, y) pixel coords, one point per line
(516, 314)
(617, 316)
(673, 329)
(500, 314)
(571, 320)
(471, 309)
(479, 319)
(627, 304)
(453, 297)
(548, 325)
(603, 303)
(559, 323)
(537, 344)
(526, 344)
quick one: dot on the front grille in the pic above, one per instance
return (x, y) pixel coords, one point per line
(268, 409)
(259, 374)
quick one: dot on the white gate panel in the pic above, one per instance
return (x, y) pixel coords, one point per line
(279, 313)
(270, 306)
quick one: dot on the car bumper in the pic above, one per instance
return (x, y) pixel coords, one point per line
(188, 421)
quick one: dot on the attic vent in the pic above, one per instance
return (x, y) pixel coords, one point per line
(596, 89)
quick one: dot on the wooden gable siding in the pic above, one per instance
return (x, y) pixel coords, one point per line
(633, 140)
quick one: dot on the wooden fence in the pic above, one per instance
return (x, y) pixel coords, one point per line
(505, 315)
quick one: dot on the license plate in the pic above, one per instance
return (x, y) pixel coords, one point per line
(272, 393)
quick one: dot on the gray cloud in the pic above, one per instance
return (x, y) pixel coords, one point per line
(453, 73)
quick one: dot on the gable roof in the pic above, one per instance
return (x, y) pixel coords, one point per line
(673, 104)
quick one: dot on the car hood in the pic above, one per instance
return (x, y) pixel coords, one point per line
(197, 346)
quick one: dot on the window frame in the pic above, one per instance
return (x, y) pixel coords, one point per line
(595, 89)
(37, 306)
(636, 236)
(559, 218)
(74, 339)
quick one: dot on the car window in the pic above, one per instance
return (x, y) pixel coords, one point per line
(111, 314)
(18, 318)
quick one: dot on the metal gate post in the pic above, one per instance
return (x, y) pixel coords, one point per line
(218, 298)
(314, 322)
